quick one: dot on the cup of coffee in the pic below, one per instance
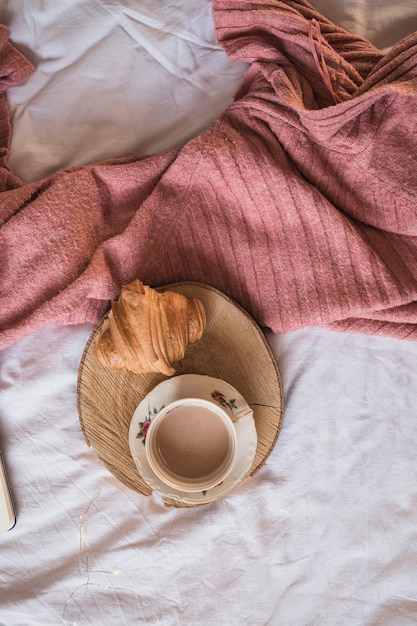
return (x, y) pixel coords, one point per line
(192, 444)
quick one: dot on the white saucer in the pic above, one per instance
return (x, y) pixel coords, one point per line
(194, 385)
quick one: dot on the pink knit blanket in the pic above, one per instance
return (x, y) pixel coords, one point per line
(300, 201)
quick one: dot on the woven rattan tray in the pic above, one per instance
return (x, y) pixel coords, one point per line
(232, 348)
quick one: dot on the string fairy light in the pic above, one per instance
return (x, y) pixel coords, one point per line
(84, 568)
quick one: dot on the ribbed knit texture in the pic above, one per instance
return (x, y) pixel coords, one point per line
(303, 211)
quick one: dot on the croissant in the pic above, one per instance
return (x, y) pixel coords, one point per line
(147, 331)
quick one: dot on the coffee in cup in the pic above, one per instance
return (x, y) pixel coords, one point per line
(192, 444)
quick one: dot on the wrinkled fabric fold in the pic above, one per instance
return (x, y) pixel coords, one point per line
(14, 68)
(301, 210)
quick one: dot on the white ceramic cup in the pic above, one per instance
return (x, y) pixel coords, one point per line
(192, 444)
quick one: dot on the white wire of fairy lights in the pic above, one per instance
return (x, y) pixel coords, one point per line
(84, 568)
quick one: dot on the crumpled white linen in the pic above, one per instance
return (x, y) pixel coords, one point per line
(112, 79)
(324, 533)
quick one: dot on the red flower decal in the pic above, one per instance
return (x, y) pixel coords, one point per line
(217, 396)
(144, 428)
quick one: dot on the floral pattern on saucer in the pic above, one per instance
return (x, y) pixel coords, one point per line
(144, 426)
(193, 385)
(218, 397)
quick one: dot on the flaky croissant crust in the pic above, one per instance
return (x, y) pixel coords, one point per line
(148, 331)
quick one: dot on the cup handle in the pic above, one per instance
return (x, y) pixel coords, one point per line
(236, 416)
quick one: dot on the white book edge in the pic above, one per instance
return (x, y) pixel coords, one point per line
(7, 513)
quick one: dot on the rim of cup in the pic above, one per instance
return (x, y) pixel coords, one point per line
(192, 484)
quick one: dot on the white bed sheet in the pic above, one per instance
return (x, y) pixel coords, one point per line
(325, 533)
(113, 79)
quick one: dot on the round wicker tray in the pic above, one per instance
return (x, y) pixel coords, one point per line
(232, 348)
